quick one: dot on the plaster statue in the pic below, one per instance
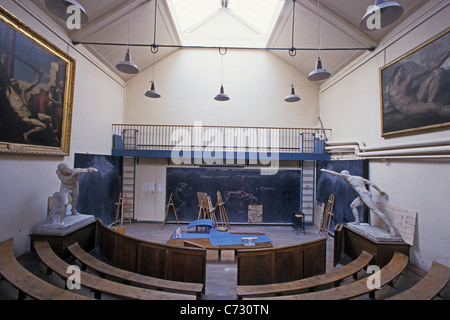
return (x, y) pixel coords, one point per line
(365, 196)
(68, 193)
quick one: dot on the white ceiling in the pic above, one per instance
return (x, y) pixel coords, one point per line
(109, 22)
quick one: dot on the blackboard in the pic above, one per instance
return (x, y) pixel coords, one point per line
(279, 194)
(344, 194)
(98, 192)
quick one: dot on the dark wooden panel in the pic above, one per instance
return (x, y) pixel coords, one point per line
(108, 248)
(152, 260)
(186, 264)
(126, 253)
(314, 257)
(255, 268)
(281, 264)
(288, 264)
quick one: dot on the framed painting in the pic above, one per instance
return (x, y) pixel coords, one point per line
(415, 89)
(36, 91)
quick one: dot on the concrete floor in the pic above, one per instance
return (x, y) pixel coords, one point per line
(220, 275)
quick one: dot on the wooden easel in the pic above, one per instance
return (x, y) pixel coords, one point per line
(327, 215)
(170, 204)
(225, 224)
(120, 208)
(202, 199)
(211, 210)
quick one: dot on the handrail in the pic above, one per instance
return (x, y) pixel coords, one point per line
(219, 138)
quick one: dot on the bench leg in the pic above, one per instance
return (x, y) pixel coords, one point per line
(97, 295)
(22, 295)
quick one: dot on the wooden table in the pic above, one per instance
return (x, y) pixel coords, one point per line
(218, 252)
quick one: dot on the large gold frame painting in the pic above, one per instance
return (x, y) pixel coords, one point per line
(36, 91)
(415, 95)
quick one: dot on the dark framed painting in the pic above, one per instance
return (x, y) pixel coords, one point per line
(36, 91)
(415, 89)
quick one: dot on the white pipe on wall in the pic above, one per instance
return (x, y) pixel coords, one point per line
(425, 149)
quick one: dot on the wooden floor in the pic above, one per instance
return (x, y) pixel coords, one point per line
(221, 276)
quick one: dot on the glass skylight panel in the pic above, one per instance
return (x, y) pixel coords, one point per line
(259, 16)
(192, 12)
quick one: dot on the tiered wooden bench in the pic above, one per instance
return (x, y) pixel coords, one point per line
(98, 284)
(333, 277)
(429, 286)
(129, 277)
(354, 289)
(27, 283)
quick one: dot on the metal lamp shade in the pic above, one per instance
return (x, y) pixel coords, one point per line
(152, 93)
(320, 73)
(221, 96)
(389, 13)
(127, 66)
(59, 9)
(292, 97)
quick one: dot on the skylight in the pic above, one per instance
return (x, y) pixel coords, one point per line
(225, 22)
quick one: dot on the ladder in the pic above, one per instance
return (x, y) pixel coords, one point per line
(307, 190)
(128, 181)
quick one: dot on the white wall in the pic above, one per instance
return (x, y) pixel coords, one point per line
(350, 106)
(27, 181)
(256, 81)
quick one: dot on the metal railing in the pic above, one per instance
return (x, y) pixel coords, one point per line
(218, 138)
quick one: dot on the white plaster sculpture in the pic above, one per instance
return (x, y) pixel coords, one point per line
(68, 193)
(365, 196)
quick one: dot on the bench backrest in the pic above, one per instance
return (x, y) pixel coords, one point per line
(281, 264)
(332, 277)
(429, 286)
(28, 283)
(150, 258)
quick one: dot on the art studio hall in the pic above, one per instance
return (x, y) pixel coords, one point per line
(224, 157)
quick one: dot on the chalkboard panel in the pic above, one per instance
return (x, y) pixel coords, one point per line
(279, 194)
(98, 192)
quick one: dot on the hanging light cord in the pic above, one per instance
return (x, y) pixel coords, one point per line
(319, 33)
(129, 23)
(223, 53)
(154, 47)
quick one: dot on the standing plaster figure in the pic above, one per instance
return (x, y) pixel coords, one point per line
(365, 196)
(69, 184)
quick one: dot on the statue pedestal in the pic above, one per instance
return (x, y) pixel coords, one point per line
(71, 223)
(373, 233)
(351, 240)
(79, 228)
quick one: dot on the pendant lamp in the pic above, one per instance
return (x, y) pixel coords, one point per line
(152, 93)
(292, 97)
(126, 66)
(292, 52)
(59, 9)
(221, 96)
(388, 13)
(320, 73)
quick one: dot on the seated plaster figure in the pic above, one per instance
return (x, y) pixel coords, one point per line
(69, 184)
(365, 196)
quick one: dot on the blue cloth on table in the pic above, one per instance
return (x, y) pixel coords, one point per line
(201, 223)
(218, 238)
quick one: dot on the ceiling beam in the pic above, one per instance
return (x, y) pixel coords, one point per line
(339, 23)
(107, 19)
